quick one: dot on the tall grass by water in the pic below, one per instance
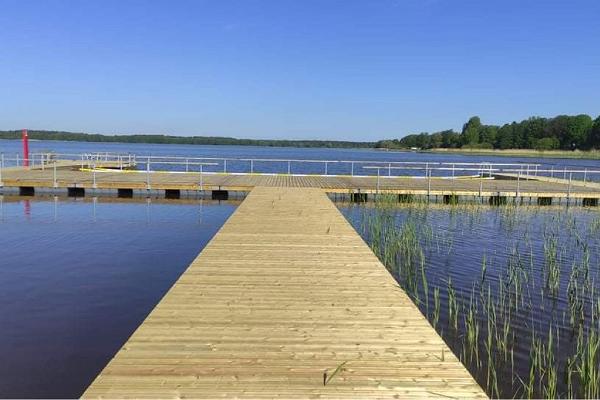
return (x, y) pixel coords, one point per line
(512, 289)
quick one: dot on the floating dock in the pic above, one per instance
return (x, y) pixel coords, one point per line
(78, 182)
(285, 301)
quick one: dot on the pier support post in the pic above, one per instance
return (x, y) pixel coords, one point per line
(124, 193)
(405, 198)
(172, 194)
(450, 199)
(220, 195)
(498, 200)
(590, 202)
(358, 197)
(76, 192)
(26, 191)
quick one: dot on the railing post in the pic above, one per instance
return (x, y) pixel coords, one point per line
(584, 176)
(17, 159)
(289, 167)
(453, 170)
(377, 190)
(148, 174)
(224, 165)
(94, 176)
(389, 169)
(352, 168)
(427, 171)
(326, 168)
(552, 172)
(54, 175)
(187, 165)
(251, 166)
(518, 184)
(480, 182)
(565, 173)
(569, 188)
(201, 179)
(428, 184)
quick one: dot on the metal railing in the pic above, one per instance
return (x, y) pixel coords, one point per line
(274, 166)
(97, 162)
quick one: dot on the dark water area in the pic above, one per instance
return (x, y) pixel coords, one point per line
(12, 147)
(77, 277)
(528, 275)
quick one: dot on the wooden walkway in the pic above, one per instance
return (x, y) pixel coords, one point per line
(285, 292)
(336, 184)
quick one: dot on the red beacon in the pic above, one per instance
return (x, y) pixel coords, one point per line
(25, 148)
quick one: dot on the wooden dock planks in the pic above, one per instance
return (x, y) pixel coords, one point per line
(285, 291)
(340, 184)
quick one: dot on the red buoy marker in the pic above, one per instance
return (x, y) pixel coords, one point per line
(25, 148)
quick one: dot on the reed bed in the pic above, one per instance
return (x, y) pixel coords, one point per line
(512, 289)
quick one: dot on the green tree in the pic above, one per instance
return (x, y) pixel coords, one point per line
(488, 134)
(436, 140)
(571, 131)
(518, 136)
(504, 137)
(470, 132)
(534, 129)
(450, 139)
(578, 130)
(594, 136)
(547, 143)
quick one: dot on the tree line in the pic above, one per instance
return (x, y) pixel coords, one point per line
(564, 132)
(166, 139)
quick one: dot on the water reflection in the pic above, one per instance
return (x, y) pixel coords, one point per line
(77, 276)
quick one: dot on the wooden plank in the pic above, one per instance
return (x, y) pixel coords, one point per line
(286, 291)
(340, 184)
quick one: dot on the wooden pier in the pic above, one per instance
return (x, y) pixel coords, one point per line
(286, 301)
(106, 179)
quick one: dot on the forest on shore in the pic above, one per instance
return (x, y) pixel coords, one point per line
(167, 139)
(564, 132)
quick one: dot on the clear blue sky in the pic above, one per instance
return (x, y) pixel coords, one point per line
(356, 70)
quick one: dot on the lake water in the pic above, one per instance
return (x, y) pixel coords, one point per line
(530, 272)
(12, 147)
(78, 276)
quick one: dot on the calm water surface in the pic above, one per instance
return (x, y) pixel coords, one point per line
(12, 147)
(78, 277)
(501, 257)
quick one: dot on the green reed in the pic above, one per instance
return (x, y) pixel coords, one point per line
(482, 320)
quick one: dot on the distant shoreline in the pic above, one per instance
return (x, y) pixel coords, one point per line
(576, 154)
(321, 144)
(187, 140)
